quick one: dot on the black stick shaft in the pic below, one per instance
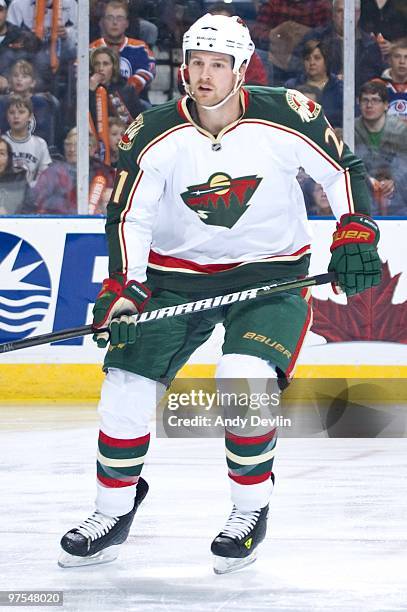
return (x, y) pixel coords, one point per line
(85, 330)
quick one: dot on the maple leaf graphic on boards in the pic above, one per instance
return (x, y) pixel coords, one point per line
(369, 315)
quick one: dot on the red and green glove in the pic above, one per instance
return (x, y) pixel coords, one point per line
(354, 253)
(116, 302)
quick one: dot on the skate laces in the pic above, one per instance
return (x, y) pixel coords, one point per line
(97, 525)
(240, 524)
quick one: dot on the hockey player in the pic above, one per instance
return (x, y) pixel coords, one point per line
(206, 201)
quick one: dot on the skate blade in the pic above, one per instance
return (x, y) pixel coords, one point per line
(226, 565)
(103, 556)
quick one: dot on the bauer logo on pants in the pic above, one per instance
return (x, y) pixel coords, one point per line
(25, 288)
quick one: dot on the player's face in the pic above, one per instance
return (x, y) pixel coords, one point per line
(372, 106)
(210, 75)
(115, 22)
(103, 65)
(21, 82)
(398, 63)
(315, 65)
(18, 117)
(3, 157)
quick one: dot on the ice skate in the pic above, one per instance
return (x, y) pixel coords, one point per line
(235, 546)
(97, 539)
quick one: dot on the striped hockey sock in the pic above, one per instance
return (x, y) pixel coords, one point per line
(250, 459)
(119, 462)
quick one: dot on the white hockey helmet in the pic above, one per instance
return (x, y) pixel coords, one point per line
(221, 34)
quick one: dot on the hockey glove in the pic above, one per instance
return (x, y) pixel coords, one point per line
(354, 253)
(115, 303)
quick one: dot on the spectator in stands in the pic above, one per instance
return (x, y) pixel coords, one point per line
(313, 93)
(386, 20)
(15, 43)
(58, 51)
(310, 13)
(316, 201)
(137, 63)
(176, 17)
(26, 14)
(139, 28)
(101, 179)
(256, 73)
(96, 8)
(368, 60)
(317, 74)
(55, 191)
(122, 99)
(116, 130)
(381, 142)
(22, 82)
(283, 40)
(59, 45)
(15, 194)
(29, 152)
(395, 78)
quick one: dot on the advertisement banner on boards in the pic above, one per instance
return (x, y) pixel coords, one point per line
(51, 270)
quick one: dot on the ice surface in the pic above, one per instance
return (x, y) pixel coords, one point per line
(337, 541)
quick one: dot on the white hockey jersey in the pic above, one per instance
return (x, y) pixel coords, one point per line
(188, 204)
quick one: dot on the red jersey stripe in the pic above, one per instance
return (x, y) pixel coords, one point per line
(176, 262)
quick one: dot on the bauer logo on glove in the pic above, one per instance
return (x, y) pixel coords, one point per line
(354, 253)
(352, 235)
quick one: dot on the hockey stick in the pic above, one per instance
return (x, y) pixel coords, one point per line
(174, 311)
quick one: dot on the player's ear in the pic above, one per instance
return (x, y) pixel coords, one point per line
(242, 70)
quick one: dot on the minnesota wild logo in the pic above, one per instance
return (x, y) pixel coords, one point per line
(129, 135)
(222, 200)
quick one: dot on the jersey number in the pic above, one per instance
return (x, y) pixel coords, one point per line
(123, 174)
(330, 134)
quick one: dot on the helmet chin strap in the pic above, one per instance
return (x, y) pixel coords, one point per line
(235, 88)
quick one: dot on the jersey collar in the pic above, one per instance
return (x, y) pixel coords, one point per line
(107, 43)
(183, 110)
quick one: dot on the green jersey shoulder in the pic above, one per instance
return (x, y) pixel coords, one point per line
(292, 110)
(280, 105)
(148, 126)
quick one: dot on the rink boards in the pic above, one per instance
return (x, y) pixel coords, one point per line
(51, 270)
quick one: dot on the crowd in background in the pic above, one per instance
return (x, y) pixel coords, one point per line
(135, 53)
